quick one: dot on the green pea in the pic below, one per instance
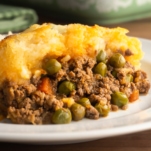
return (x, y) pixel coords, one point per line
(84, 102)
(117, 60)
(52, 66)
(62, 116)
(119, 98)
(66, 87)
(78, 111)
(101, 69)
(102, 109)
(101, 57)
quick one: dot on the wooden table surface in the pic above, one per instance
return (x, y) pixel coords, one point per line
(140, 141)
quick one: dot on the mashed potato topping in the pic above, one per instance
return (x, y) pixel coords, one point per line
(21, 55)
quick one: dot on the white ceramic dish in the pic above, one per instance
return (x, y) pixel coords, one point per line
(136, 118)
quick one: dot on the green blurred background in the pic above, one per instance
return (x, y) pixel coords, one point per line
(102, 12)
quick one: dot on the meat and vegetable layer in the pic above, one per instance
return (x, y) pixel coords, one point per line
(74, 89)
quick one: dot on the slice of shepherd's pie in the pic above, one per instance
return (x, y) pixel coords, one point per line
(58, 73)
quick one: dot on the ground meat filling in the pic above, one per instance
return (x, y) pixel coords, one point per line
(28, 104)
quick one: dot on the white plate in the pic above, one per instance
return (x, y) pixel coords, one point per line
(136, 118)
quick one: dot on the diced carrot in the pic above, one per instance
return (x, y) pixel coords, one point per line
(134, 96)
(45, 86)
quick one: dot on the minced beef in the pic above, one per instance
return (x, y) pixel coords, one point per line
(26, 104)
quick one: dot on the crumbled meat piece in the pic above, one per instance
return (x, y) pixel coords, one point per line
(23, 116)
(128, 89)
(82, 63)
(53, 103)
(46, 117)
(141, 82)
(16, 93)
(92, 113)
(60, 75)
(128, 52)
(98, 98)
(71, 74)
(129, 67)
(28, 104)
(114, 107)
(139, 75)
(111, 83)
(48, 101)
(143, 86)
(39, 97)
(76, 98)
